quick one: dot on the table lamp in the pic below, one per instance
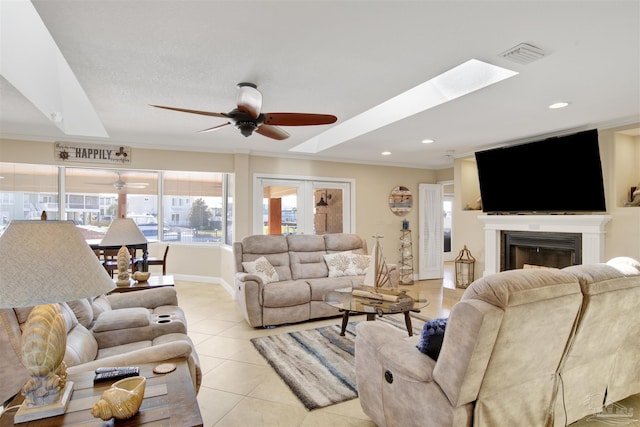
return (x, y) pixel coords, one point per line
(123, 232)
(43, 263)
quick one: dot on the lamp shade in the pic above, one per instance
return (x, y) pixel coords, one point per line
(123, 231)
(47, 262)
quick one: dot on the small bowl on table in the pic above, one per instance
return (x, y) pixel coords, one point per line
(141, 276)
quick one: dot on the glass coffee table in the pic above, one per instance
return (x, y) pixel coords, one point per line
(345, 301)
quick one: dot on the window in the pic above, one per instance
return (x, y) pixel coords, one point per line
(26, 191)
(194, 202)
(191, 206)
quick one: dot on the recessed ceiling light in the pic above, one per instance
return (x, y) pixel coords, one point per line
(427, 141)
(386, 153)
(557, 105)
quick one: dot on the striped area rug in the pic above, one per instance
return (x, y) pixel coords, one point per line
(318, 365)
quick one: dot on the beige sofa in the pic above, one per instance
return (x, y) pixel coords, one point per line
(537, 347)
(112, 330)
(302, 274)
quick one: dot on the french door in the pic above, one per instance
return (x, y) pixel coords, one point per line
(287, 205)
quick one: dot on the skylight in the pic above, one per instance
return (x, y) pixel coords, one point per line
(32, 62)
(462, 80)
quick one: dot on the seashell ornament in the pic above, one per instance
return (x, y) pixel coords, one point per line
(124, 259)
(44, 341)
(122, 400)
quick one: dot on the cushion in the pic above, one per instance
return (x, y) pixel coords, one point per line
(346, 264)
(263, 269)
(99, 305)
(123, 318)
(431, 337)
(360, 263)
(339, 264)
(83, 311)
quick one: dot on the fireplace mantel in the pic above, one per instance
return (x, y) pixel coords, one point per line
(591, 227)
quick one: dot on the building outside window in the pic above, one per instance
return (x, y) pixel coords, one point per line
(194, 206)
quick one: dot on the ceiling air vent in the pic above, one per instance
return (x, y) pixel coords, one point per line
(524, 53)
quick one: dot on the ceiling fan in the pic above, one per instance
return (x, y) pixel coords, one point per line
(248, 118)
(121, 184)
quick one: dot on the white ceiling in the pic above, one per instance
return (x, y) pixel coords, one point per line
(341, 58)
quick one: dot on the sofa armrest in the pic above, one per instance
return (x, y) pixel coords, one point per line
(154, 354)
(403, 358)
(148, 298)
(248, 277)
(248, 293)
(396, 350)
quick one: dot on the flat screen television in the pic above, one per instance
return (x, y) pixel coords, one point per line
(555, 175)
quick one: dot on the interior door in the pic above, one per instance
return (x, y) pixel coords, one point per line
(447, 227)
(431, 242)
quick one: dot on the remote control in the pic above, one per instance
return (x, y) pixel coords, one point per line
(112, 368)
(117, 374)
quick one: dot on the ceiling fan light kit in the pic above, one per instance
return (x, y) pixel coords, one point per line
(248, 118)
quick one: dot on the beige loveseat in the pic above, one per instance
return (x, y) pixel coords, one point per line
(123, 329)
(301, 272)
(537, 347)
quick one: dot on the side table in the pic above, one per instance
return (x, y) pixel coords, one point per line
(169, 399)
(156, 281)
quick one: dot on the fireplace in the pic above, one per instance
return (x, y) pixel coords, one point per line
(589, 228)
(558, 250)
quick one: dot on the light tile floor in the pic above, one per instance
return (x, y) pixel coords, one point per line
(240, 389)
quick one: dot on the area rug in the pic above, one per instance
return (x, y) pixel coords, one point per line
(318, 365)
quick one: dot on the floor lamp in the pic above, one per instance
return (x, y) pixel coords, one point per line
(44, 263)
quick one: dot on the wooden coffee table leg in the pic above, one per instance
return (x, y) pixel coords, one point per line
(345, 320)
(407, 321)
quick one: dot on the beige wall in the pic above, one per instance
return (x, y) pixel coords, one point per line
(372, 187)
(373, 183)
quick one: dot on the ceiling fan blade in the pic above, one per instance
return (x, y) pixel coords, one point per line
(249, 99)
(202, 113)
(272, 132)
(136, 184)
(214, 128)
(298, 119)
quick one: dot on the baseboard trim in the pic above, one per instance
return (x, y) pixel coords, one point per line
(206, 279)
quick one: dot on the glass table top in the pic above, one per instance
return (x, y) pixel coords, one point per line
(366, 299)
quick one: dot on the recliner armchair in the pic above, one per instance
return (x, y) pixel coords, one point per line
(145, 326)
(498, 364)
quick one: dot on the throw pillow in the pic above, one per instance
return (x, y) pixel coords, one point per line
(339, 264)
(263, 269)
(431, 337)
(360, 263)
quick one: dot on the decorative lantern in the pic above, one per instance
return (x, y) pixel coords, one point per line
(464, 268)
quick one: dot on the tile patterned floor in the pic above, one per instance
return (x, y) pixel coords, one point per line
(240, 389)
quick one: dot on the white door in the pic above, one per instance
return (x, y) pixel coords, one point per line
(431, 245)
(447, 226)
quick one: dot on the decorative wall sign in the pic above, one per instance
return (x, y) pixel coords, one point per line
(400, 201)
(85, 153)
